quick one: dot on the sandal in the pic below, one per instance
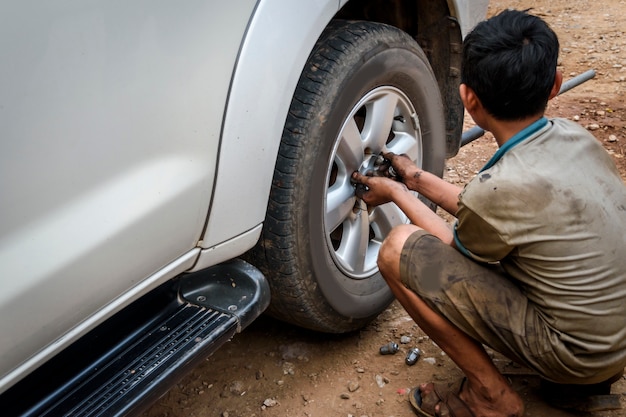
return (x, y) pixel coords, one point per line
(444, 395)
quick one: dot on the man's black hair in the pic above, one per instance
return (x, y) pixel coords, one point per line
(510, 62)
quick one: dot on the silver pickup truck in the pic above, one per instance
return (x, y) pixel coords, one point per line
(168, 170)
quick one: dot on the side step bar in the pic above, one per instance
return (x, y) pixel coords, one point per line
(132, 359)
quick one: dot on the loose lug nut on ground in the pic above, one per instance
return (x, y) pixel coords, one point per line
(412, 356)
(389, 349)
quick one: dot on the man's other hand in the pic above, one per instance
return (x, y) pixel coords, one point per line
(376, 190)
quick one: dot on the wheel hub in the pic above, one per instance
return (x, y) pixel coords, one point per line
(369, 164)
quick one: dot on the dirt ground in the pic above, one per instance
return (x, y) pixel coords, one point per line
(273, 369)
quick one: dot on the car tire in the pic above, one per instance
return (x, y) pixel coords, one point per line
(367, 87)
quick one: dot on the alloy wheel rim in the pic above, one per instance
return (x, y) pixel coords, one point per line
(383, 120)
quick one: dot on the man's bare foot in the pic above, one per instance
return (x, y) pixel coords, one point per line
(500, 402)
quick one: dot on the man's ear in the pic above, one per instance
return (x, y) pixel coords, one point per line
(469, 98)
(558, 80)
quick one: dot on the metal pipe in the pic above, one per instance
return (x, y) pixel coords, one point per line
(477, 132)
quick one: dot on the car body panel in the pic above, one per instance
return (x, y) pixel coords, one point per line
(110, 121)
(266, 76)
(468, 14)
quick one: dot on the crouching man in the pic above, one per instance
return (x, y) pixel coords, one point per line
(535, 266)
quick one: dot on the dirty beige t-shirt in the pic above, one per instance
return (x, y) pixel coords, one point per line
(552, 209)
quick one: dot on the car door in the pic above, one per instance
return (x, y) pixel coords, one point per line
(110, 119)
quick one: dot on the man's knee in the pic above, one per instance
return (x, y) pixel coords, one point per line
(391, 249)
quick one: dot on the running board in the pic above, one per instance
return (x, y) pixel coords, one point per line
(141, 352)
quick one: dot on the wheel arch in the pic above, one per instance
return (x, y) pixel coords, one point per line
(270, 62)
(269, 65)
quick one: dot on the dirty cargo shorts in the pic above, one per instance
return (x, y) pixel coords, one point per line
(482, 301)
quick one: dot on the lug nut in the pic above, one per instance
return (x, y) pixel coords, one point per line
(412, 356)
(389, 349)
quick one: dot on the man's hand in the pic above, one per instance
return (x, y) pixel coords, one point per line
(380, 190)
(405, 168)
(376, 190)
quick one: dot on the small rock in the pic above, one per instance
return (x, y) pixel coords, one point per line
(353, 386)
(593, 126)
(431, 361)
(344, 396)
(270, 402)
(612, 138)
(379, 381)
(576, 118)
(288, 368)
(600, 113)
(405, 339)
(360, 370)
(259, 375)
(225, 414)
(236, 388)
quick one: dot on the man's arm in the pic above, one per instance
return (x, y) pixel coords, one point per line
(422, 216)
(437, 190)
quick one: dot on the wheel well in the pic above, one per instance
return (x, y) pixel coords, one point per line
(435, 28)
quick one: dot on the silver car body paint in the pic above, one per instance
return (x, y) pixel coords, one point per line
(267, 73)
(468, 12)
(110, 118)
